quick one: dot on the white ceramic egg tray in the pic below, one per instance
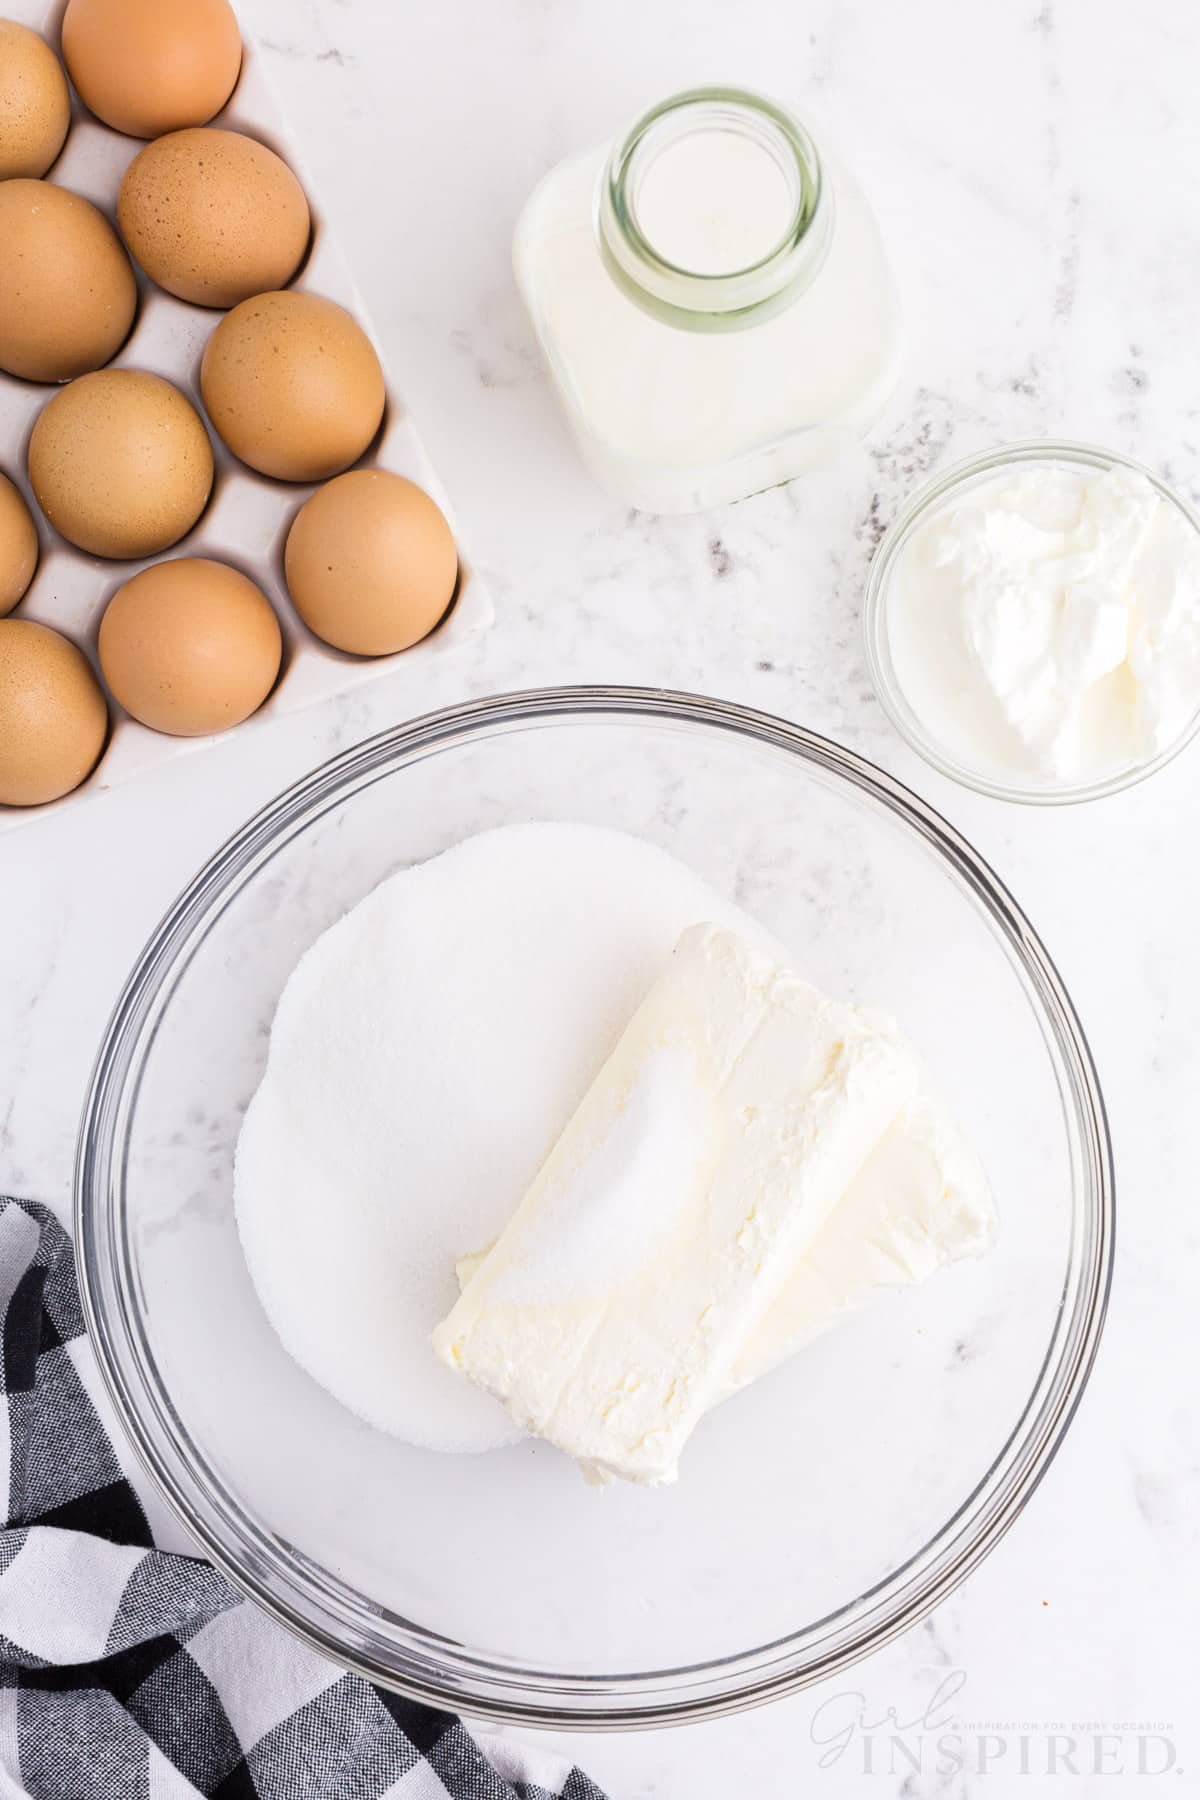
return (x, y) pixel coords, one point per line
(247, 517)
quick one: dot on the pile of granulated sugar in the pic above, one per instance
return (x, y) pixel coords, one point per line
(426, 1053)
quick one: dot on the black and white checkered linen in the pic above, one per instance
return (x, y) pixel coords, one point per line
(127, 1671)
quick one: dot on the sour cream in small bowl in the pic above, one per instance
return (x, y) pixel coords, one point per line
(1033, 622)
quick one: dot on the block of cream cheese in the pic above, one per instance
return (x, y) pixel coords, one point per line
(920, 1202)
(731, 1117)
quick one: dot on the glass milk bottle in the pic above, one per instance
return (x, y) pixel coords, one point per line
(713, 300)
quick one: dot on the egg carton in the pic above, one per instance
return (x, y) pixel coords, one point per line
(247, 517)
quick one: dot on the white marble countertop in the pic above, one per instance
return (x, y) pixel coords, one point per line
(1035, 167)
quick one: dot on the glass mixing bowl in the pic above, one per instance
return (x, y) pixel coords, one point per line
(820, 1511)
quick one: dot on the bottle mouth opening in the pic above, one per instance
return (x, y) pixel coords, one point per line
(713, 210)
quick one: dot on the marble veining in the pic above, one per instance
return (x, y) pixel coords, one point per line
(1035, 168)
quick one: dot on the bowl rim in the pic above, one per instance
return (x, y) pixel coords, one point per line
(941, 487)
(433, 1669)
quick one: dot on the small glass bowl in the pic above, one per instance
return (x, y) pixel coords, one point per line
(949, 484)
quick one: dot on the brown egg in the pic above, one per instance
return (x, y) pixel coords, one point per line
(35, 107)
(149, 66)
(213, 216)
(190, 647)
(67, 293)
(371, 565)
(121, 463)
(293, 385)
(18, 546)
(53, 719)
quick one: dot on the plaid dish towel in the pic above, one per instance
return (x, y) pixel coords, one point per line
(126, 1671)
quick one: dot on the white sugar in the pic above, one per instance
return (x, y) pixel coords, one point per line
(426, 1054)
(593, 1229)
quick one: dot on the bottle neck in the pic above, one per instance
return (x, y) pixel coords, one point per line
(714, 213)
